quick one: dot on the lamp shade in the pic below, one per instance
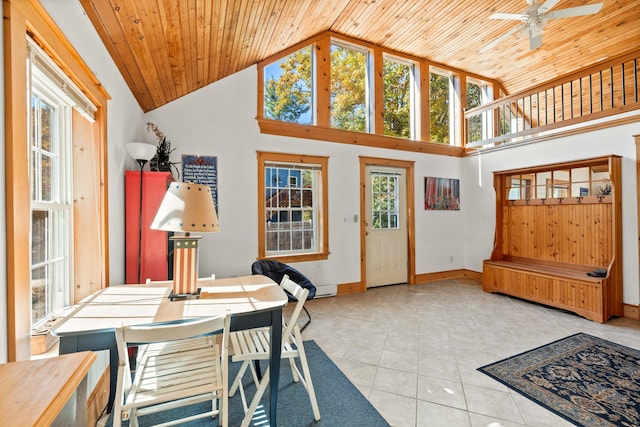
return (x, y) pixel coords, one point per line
(141, 150)
(187, 207)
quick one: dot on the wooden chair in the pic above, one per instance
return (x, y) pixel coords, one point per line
(177, 364)
(253, 345)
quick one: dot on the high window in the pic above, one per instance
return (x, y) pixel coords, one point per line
(288, 88)
(293, 206)
(441, 95)
(349, 88)
(51, 210)
(342, 88)
(399, 98)
(480, 126)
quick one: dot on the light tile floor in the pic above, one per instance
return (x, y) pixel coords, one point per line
(413, 350)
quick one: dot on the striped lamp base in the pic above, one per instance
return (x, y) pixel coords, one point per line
(185, 265)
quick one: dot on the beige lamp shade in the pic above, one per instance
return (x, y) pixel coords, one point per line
(187, 207)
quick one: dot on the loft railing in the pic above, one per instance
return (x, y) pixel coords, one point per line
(599, 91)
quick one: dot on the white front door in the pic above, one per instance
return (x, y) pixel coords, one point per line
(385, 225)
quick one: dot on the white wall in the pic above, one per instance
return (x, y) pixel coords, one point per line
(219, 120)
(125, 118)
(480, 217)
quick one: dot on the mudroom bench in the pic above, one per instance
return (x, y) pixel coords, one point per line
(560, 285)
(554, 224)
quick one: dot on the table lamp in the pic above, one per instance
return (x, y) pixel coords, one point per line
(186, 208)
(142, 153)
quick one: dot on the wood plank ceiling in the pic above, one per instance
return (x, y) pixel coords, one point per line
(167, 48)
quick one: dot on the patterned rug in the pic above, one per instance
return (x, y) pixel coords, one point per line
(584, 379)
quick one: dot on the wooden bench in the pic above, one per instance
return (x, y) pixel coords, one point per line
(560, 285)
(554, 224)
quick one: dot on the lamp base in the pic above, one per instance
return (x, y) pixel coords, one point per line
(173, 296)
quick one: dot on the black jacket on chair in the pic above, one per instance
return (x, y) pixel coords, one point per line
(275, 270)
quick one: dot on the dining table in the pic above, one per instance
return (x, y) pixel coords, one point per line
(253, 301)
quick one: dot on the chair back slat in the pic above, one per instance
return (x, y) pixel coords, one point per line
(301, 296)
(151, 333)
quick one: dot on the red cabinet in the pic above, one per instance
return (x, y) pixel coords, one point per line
(154, 260)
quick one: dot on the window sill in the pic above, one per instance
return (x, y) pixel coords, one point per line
(275, 127)
(298, 258)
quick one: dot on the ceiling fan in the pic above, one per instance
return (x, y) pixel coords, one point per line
(535, 17)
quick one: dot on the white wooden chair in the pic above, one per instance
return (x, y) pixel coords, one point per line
(253, 345)
(177, 364)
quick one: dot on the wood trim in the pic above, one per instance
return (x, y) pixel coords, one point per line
(424, 111)
(411, 244)
(320, 133)
(17, 185)
(322, 44)
(323, 77)
(22, 17)
(322, 253)
(632, 311)
(359, 287)
(351, 288)
(448, 275)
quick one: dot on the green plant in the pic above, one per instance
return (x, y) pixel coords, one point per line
(162, 160)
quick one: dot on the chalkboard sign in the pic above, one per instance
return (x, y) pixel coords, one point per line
(202, 170)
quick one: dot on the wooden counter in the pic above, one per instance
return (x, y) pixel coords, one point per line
(34, 392)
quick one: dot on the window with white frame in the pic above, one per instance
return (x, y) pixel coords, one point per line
(480, 127)
(293, 216)
(288, 88)
(50, 205)
(399, 92)
(51, 99)
(350, 103)
(442, 102)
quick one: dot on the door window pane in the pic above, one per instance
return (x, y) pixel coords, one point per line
(384, 200)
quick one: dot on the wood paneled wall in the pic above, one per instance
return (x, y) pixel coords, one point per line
(568, 233)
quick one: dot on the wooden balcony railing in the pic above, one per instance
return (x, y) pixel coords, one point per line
(605, 89)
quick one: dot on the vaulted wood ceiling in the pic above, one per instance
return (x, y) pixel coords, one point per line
(168, 48)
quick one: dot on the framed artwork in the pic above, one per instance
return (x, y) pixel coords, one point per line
(441, 194)
(202, 170)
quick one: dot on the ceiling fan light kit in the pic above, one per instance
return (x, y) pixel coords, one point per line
(535, 17)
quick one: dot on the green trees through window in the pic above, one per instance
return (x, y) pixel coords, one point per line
(287, 89)
(350, 87)
(349, 104)
(397, 79)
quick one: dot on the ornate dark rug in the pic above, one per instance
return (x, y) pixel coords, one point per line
(586, 380)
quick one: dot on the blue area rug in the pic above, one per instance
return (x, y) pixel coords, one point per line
(340, 402)
(586, 380)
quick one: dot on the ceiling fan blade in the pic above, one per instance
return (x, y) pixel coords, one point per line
(514, 16)
(589, 9)
(502, 37)
(547, 6)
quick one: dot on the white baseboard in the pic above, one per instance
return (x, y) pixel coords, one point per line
(326, 290)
